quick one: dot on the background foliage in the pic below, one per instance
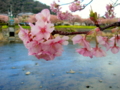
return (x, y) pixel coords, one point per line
(19, 6)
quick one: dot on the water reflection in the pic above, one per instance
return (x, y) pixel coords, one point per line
(93, 74)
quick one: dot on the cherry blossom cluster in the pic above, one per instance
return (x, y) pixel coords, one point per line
(42, 42)
(65, 15)
(75, 6)
(110, 11)
(112, 44)
(39, 41)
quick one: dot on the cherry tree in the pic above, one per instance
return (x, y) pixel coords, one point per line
(31, 19)
(54, 19)
(76, 18)
(42, 42)
(3, 20)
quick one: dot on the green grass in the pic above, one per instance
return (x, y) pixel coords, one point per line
(4, 27)
(57, 27)
(25, 27)
(17, 27)
(76, 27)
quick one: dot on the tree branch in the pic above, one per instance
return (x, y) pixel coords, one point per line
(86, 4)
(85, 32)
(108, 26)
(115, 2)
(68, 33)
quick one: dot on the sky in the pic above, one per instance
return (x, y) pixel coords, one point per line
(98, 6)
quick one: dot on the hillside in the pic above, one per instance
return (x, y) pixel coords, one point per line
(19, 6)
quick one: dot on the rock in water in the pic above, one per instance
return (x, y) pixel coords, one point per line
(71, 71)
(13, 67)
(27, 73)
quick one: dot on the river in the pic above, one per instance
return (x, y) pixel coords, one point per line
(70, 71)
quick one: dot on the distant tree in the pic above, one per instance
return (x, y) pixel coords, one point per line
(76, 18)
(87, 22)
(54, 19)
(31, 19)
(3, 20)
(19, 6)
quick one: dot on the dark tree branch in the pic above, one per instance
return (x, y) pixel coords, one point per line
(108, 26)
(68, 33)
(85, 32)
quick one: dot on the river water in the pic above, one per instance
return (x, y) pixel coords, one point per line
(71, 71)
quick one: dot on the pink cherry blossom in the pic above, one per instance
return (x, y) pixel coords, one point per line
(81, 40)
(75, 6)
(103, 41)
(43, 15)
(39, 41)
(34, 47)
(115, 49)
(85, 52)
(98, 52)
(115, 40)
(53, 48)
(62, 40)
(110, 11)
(64, 15)
(112, 40)
(55, 7)
(108, 7)
(77, 39)
(41, 30)
(45, 56)
(25, 36)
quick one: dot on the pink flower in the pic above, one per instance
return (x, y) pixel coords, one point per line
(47, 50)
(112, 40)
(41, 30)
(115, 40)
(39, 41)
(45, 56)
(25, 36)
(108, 7)
(53, 48)
(115, 49)
(64, 15)
(98, 52)
(81, 40)
(85, 52)
(110, 11)
(34, 47)
(75, 6)
(103, 41)
(55, 7)
(62, 40)
(44, 15)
